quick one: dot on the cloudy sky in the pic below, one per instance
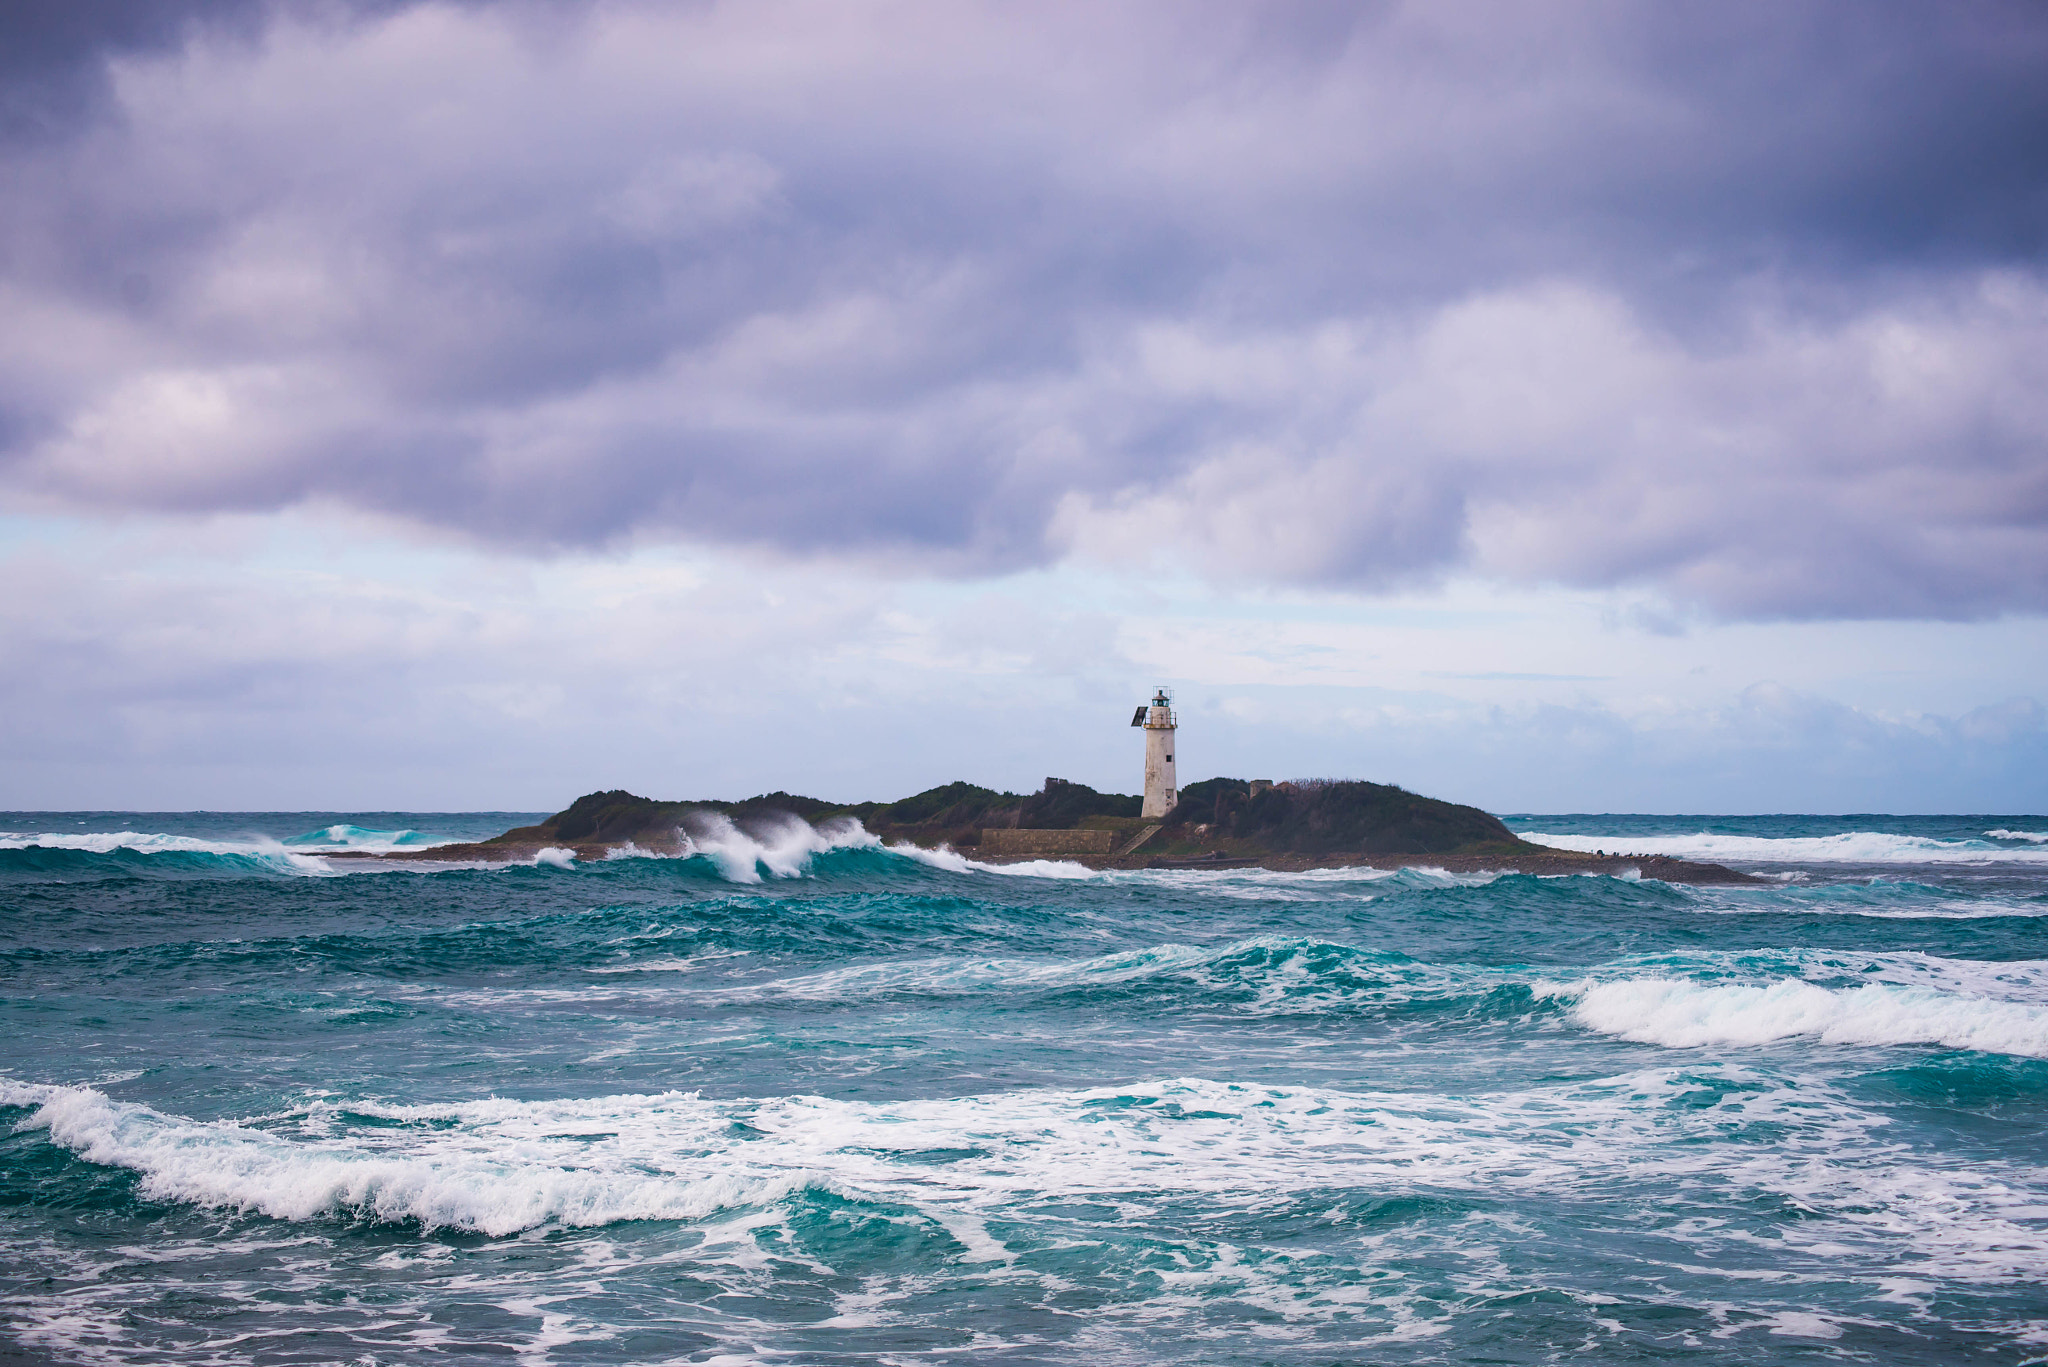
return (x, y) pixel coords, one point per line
(1594, 406)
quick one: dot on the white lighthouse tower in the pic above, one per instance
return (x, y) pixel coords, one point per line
(1162, 790)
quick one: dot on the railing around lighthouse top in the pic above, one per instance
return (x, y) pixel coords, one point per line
(1157, 714)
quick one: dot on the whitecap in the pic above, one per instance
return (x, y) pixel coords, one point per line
(498, 1166)
(469, 1181)
(1849, 847)
(780, 843)
(264, 849)
(952, 861)
(1683, 1014)
(342, 836)
(1242, 883)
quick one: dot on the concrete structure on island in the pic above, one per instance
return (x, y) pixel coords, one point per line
(1015, 843)
(1162, 790)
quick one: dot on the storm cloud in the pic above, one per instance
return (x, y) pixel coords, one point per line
(1745, 305)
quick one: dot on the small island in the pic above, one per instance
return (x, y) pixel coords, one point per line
(1219, 823)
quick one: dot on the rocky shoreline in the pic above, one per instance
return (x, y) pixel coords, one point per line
(1218, 824)
(509, 852)
(1539, 861)
(1536, 860)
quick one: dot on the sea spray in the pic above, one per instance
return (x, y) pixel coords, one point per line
(806, 1098)
(498, 1167)
(1690, 1015)
(1848, 847)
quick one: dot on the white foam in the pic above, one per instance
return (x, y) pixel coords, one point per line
(469, 1180)
(2033, 837)
(952, 861)
(1269, 975)
(272, 852)
(1251, 883)
(142, 842)
(783, 848)
(1685, 1014)
(949, 976)
(629, 850)
(1261, 975)
(498, 1166)
(782, 844)
(1285, 883)
(342, 836)
(2017, 980)
(1803, 1324)
(327, 840)
(1850, 847)
(1950, 910)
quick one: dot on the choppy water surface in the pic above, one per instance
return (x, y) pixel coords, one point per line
(811, 1101)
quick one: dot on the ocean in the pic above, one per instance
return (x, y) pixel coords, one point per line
(809, 1100)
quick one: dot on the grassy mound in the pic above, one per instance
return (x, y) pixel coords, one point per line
(1323, 816)
(1313, 818)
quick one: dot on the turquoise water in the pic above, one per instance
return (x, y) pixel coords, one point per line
(801, 1099)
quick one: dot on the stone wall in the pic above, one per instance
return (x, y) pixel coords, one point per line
(1002, 843)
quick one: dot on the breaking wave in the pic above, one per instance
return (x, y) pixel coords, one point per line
(1851, 847)
(1753, 998)
(140, 842)
(779, 848)
(140, 852)
(976, 1165)
(947, 858)
(343, 836)
(486, 1178)
(1686, 1015)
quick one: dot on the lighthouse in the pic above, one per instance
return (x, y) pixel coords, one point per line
(1161, 789)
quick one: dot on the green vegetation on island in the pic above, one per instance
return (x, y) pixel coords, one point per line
(953, 813)
(1220, 822)
(1331, 816)
(1223, 815)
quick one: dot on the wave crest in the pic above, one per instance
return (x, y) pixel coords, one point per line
(343, 836)
(500, 1166)
(1850, 847)
(1688, 1015)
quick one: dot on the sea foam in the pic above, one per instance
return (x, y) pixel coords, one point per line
(498, 1166)
(784, 848)
(1850, 847)
(952, 861)
(463, 1181)
(1683, 1014)
(343, 836)
(273, 854)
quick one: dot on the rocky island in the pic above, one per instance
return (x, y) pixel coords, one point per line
(1215, 824)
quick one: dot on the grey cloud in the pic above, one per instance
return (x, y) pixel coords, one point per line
(201, 668)
(53, 53)
(1767, 748)
(1743, 305)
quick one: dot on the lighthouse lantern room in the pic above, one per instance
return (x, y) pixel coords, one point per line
(1161, 788)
